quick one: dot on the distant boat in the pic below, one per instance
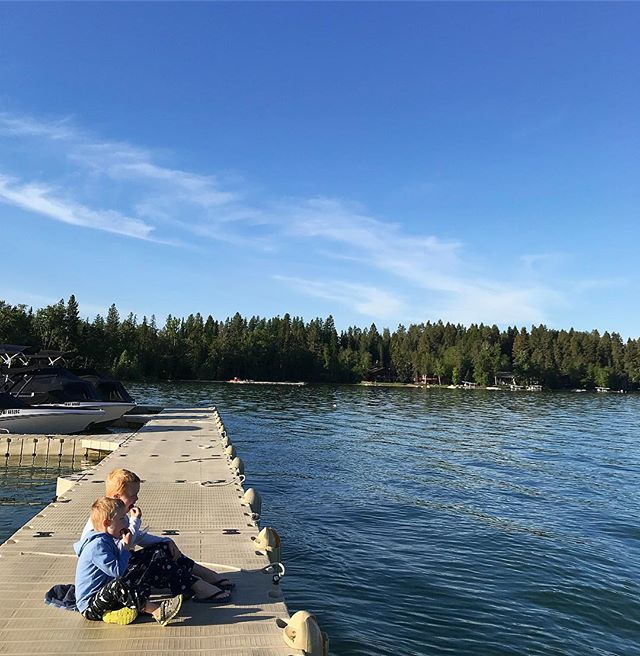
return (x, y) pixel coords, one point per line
(18, 417)
(240, 381)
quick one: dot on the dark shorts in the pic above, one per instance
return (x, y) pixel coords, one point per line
(151, 567)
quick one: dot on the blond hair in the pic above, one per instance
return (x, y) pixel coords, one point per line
(104, 510)
(118, 480)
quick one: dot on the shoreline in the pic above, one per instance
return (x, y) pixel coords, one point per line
(365, 383)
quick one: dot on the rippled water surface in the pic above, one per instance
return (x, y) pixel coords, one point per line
(446, 521)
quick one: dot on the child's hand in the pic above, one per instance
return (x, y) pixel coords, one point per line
(135, 512)
(127, 538)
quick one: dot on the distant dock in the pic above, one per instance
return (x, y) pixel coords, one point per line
(191, 492)
(242, 381)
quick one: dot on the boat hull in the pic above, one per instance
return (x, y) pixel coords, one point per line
(112, 410)
(52, 421)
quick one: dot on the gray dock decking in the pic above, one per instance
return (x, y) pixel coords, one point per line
(190, 493)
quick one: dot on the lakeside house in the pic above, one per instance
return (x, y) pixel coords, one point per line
(428, 380)
(506, 378)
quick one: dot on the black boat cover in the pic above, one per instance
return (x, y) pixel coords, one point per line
(53, 354)
(13, 349)
(109, 389)
(50, 385)
(8, 402)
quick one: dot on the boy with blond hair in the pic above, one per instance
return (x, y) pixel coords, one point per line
(167, 566)
(107, 587)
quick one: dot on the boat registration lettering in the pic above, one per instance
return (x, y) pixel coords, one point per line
(9, 412)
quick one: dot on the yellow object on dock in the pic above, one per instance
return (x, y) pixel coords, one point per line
(191, 493)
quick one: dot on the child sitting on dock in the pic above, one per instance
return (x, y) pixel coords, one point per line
(179, 573)
(109, 585)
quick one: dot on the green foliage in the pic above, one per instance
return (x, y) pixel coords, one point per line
(286, 348)
(16, 324)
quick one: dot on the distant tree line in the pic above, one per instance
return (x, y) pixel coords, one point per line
(290, 349)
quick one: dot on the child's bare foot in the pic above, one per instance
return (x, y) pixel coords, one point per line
(167, 610)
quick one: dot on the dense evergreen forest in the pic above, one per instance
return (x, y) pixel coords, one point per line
(288, 349)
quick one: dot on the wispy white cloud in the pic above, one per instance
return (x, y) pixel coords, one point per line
(437, 271)
(125, 163)
(499, 304)
(535, 263)
(591, 284)
(44, 201)
(162, 191)
(377, 243)
(423, 276)
(366, 299)
(26, 126)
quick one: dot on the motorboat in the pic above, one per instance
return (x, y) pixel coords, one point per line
(109, 389)
(57, 387)
(39, 377)
(112, 410)
(18, 417)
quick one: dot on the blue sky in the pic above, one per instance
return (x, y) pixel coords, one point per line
(386, 162)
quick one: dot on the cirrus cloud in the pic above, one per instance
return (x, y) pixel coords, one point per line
(126, 189)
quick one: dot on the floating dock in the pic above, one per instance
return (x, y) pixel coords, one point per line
(190, 492)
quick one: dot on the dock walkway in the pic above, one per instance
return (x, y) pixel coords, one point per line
(190, 493)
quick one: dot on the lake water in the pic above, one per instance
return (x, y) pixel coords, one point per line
(427, 521)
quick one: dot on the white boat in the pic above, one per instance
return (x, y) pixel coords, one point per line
(17, 417)
(112, 410)
(56, 387)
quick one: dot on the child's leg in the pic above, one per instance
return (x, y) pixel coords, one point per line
(211, 576)
(202, 572)
(155, 564)
(118, 593)
(204, 590)
(207, 575)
